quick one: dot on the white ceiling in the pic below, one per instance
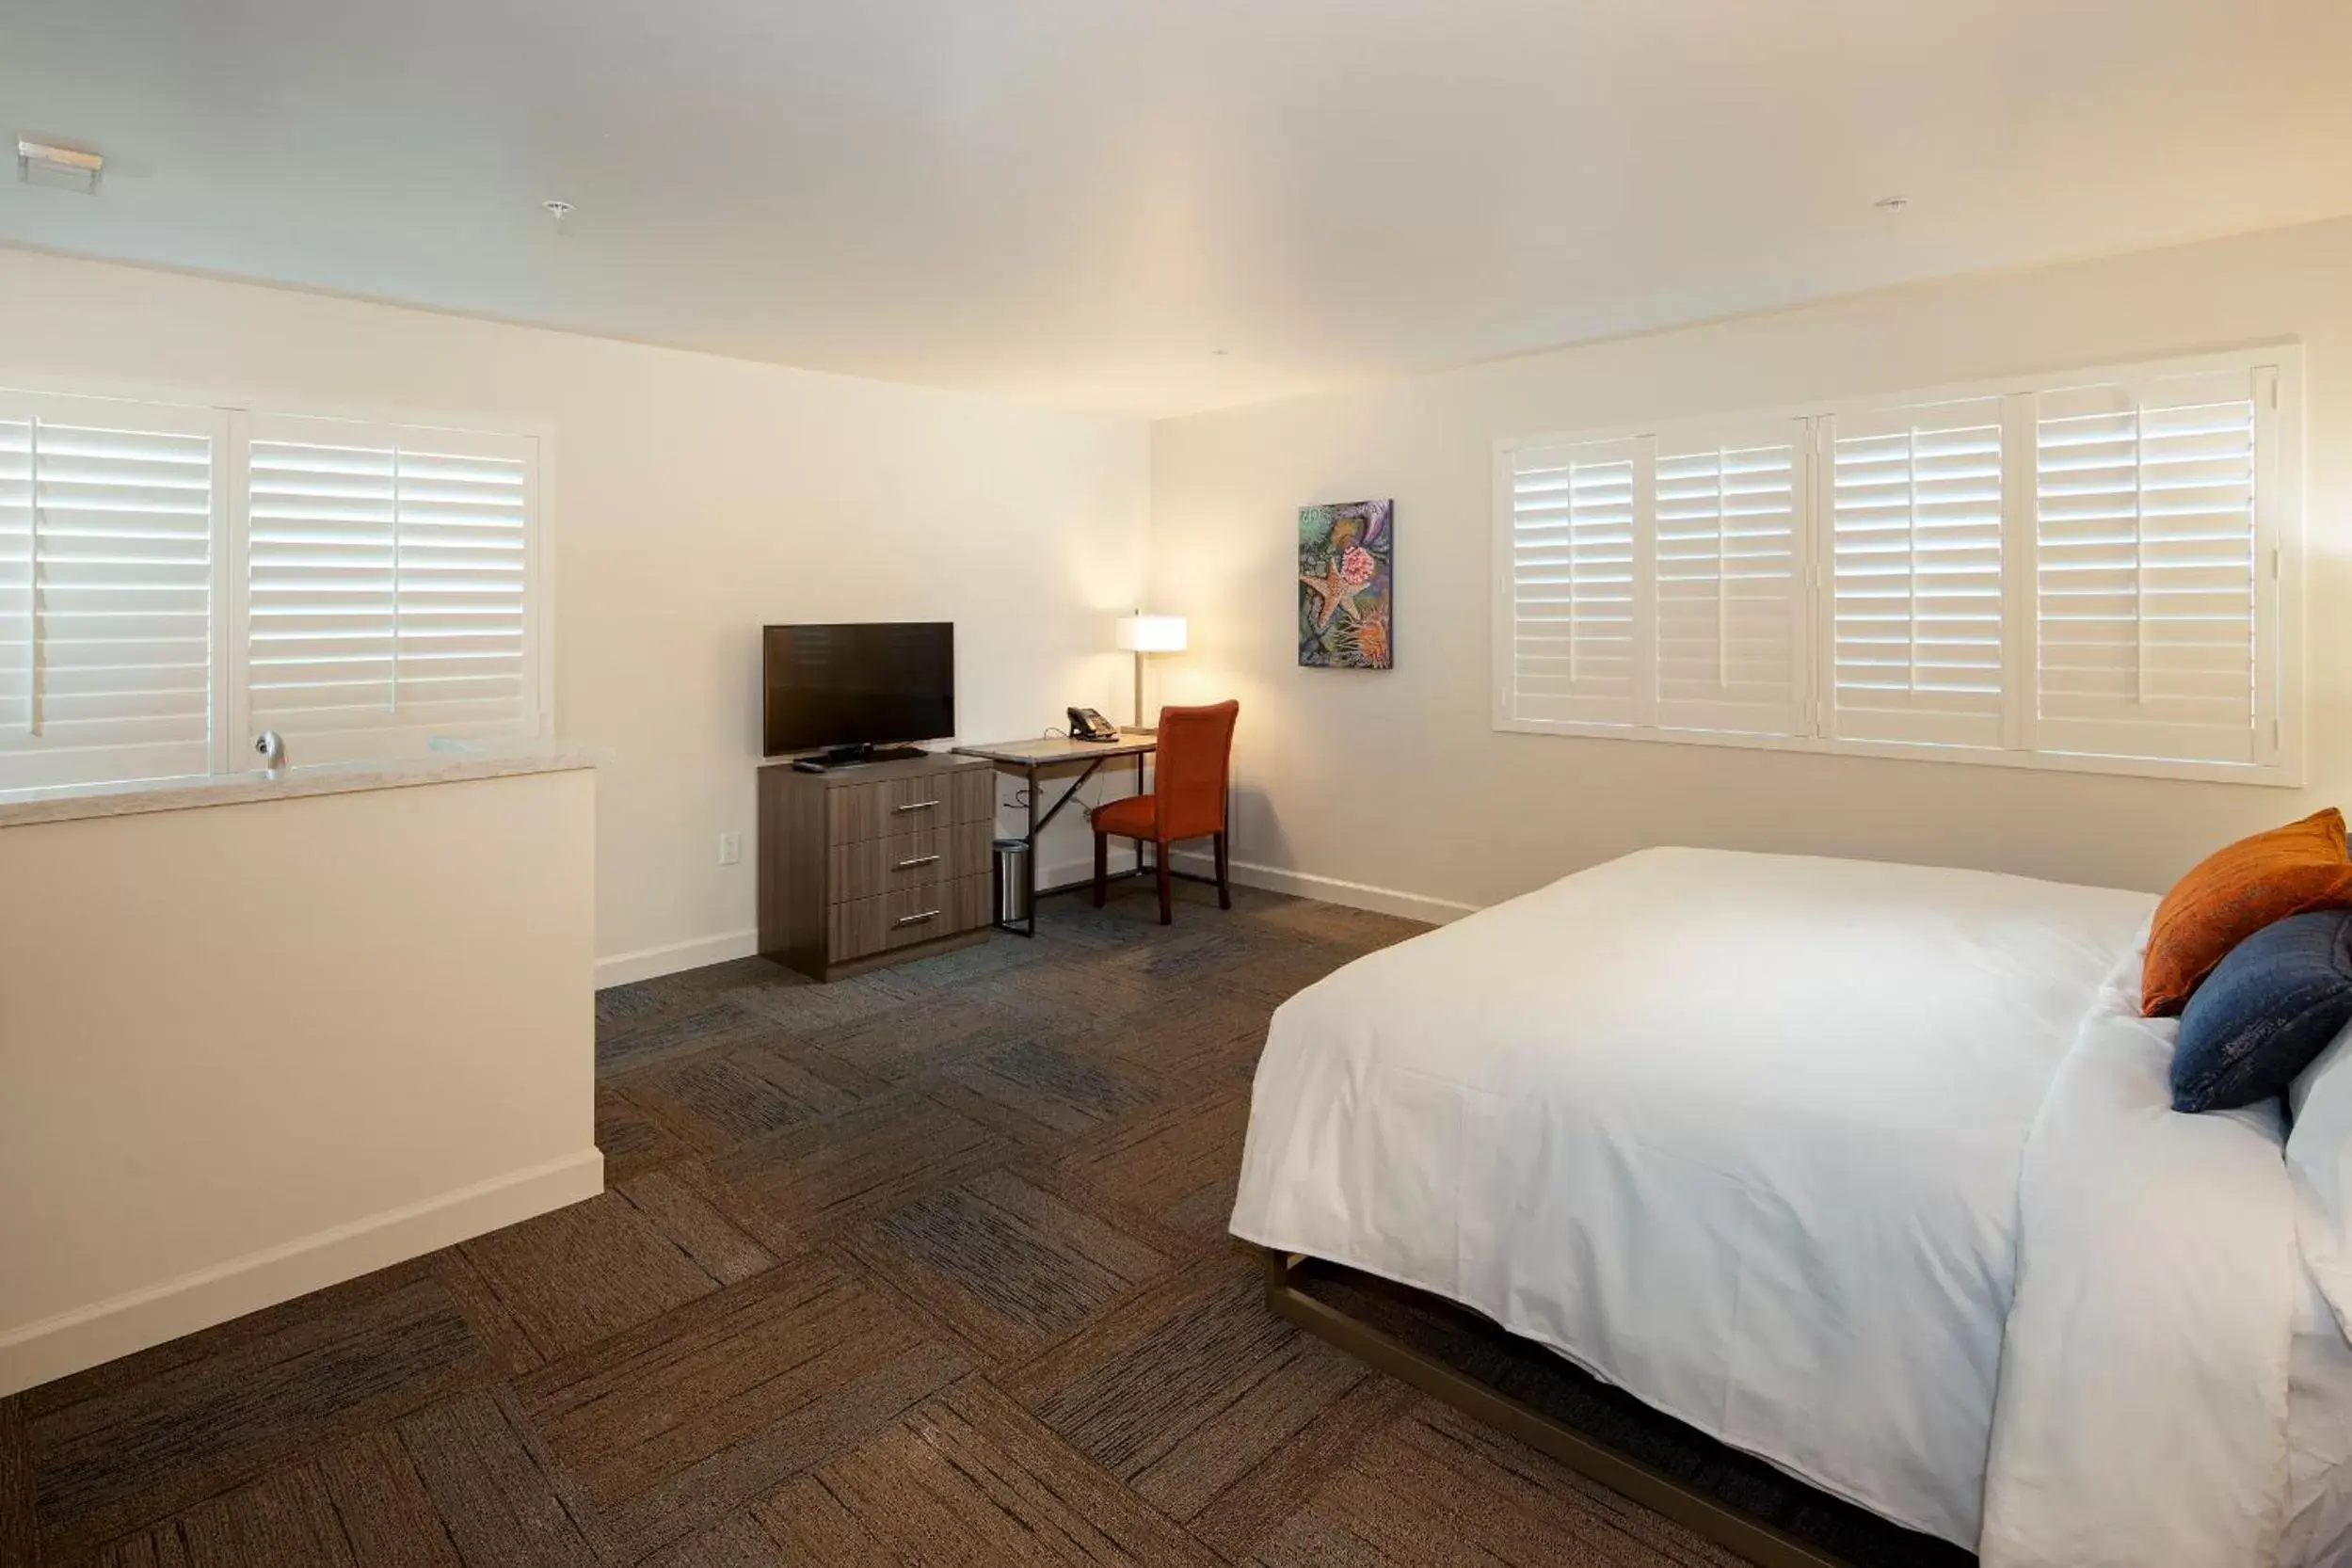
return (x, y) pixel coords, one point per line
(1081, 200)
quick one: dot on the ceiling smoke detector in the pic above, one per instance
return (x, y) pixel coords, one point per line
(38, 162)
(558, 210)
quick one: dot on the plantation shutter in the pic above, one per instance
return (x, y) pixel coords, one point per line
(16, 580)
(388, 587)
(2150, 615)
(1729, 583)
(1915, 616)
(1575, 626)
(109, 517)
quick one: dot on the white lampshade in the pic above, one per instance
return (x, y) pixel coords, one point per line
(1151, 633)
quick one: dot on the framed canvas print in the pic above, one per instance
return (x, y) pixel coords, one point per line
(1346, 586)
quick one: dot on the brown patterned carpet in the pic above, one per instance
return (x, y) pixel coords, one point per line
(927, 1267)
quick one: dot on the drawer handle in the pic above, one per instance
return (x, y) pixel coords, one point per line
(917, 860)
(918, 920)
(918, 806)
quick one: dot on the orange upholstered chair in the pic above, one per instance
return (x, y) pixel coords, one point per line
(1188, 798)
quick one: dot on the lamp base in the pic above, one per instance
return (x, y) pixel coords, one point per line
(1138, 690)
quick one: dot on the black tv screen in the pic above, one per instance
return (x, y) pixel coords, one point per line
(858, 684)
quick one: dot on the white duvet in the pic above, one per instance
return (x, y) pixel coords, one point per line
(1866, 1169)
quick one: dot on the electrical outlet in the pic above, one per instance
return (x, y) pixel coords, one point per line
(731, 848)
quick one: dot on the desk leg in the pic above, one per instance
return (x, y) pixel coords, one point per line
(1139, 789)
(1031, 856)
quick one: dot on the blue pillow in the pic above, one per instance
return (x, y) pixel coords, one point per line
(2265, 1012)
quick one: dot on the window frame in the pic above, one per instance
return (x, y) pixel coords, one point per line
(232, 412)
(2278, 609)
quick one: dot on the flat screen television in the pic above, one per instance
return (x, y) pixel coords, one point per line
(848, 688)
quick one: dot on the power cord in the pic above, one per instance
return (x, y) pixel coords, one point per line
(1020, 797)
(1019, 802)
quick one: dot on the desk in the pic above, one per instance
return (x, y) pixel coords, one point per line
(1030, 757)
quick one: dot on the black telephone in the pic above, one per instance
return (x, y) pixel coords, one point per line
(1087, 724)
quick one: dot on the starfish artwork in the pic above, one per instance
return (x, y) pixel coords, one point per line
(1332, 590)
(1346, 584)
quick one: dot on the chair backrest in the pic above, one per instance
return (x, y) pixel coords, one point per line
(1194, 762)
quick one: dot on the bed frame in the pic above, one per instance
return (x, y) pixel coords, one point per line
(1727, 1526)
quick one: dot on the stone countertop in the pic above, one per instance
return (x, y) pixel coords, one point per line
(73, 802)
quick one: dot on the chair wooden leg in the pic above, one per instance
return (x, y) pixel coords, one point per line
(1167, 891)
(1224, 886)
(1103, 866)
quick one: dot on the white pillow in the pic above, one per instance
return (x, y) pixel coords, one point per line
(2319, 1160)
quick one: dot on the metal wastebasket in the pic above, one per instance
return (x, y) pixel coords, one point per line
(1012, 881)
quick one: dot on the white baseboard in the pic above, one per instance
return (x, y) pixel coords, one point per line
(69, 1341)
(621, 969)
(1331, 890)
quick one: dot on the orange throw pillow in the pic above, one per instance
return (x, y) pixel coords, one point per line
(2234, 892)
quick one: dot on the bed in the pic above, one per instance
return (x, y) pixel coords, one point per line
(1867, 1170)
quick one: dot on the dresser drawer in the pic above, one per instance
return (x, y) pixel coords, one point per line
(871, 867)
(905, 916)
(857, 812)
(892, 806)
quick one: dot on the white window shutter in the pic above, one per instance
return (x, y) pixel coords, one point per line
(319, 587)
(1914, 615)
(16, 580)
(2149, 606)
(1576, 588)
(1729, 579)
(388, 587)
(109, 523)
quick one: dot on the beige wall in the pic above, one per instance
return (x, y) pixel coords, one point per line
(1396, 782)
(692, 499)
(249, 1051)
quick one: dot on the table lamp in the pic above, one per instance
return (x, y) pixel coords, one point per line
(1139, 634)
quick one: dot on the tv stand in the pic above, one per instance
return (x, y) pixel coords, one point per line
(857, 757)
(865, 866)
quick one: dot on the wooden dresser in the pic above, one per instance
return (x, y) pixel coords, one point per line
(865, 866)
